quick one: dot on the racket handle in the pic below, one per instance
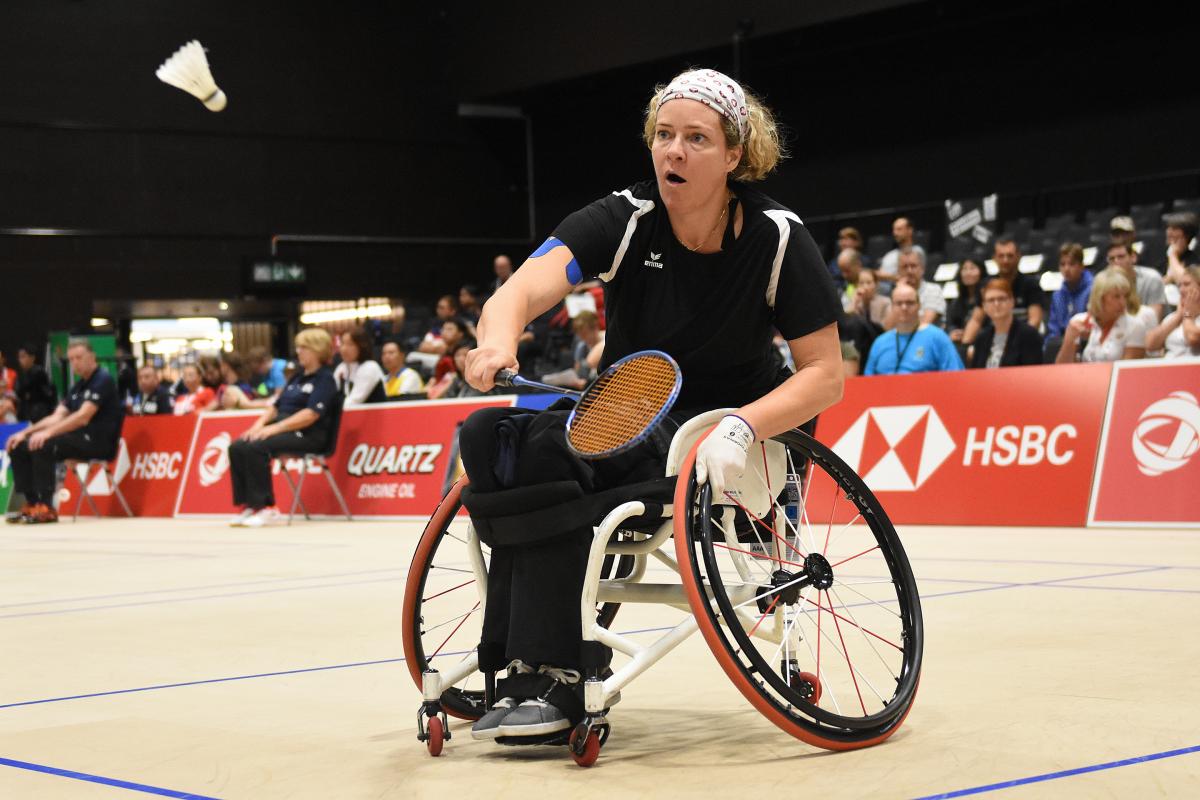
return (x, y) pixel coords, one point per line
(505, 377)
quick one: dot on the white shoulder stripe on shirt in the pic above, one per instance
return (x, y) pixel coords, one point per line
(781, 217)
(643, 207)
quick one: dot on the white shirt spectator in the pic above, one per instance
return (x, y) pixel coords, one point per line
(358, 381)
(1127, 331)
(1176, 345)
(889, 264)
(931, 297)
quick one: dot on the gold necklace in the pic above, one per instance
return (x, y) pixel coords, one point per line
(720, 219)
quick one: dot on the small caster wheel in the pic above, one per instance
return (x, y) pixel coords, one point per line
(809, 687)
(436, 737)
(585, 746)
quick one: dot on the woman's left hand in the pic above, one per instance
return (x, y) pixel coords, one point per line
(721, 457)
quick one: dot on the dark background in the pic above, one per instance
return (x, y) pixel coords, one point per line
(343, 120)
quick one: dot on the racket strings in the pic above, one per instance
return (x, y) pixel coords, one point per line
(621, 405)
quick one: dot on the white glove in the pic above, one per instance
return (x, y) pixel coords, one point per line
(721, 457)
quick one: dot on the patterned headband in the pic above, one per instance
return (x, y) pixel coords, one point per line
(716, 90)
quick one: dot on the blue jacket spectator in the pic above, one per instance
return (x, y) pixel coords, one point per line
(1072, 297)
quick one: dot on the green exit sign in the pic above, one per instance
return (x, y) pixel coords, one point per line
(278, 273)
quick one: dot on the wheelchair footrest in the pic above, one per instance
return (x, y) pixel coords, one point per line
(556, 739)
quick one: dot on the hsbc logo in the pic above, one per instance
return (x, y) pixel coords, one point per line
(896, 448)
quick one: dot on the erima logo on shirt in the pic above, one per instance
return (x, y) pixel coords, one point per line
(654, 260)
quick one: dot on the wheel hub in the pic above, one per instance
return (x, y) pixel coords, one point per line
(786, 586)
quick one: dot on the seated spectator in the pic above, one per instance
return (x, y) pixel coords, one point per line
(587, 351)
(84, 426)
(235, 390)
(195, 397)
(970, 282)
(210, 371)
(1111, 333)
(36, 396)
(502, 267)
(1004, 341)
(7, 373)
(867, 303)
(298, 422)
(398, 380)
(1029, 301)
(849, 264)
(1069, 299)
(8, 399)
(151, 397)
(1179, 333)
(1121, 230)
(470, 304)
(359, 377)
(1181, 230)
(929, 294)
(447, 308)
(848, 239)
(911, 347)
(889, 266)
(454, 333)
(266, 373)
(454, 383)
(1146, 283)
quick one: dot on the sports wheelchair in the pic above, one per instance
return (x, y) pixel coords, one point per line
(796, 579)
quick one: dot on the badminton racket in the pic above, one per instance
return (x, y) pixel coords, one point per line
(620, 408)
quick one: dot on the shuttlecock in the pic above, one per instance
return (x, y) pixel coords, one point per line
(187, 69)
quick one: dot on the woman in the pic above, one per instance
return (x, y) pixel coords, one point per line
(1112, 333)
(298, 422)
(1007, 341)
(970, 297)
(447, 308)
(470, 304)
(454, 332)
(869, 315)
(452, 383)
(399, 380)
(1180, 331)
(358, 376)
(195, 397)
(695, 263)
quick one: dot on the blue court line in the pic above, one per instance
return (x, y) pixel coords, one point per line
(1066, 773)
(176, 589)
(120, 784)
(264, 675)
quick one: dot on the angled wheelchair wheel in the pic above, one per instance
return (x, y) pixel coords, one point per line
(443, 603)
(802, 590)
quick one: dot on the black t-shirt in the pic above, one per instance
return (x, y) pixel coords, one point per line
(714, 313)
(157, 402)
(35, 394)
(1026, 293)
(315, 391)
(101, 390)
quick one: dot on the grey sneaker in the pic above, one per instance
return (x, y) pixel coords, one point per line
(487, 727)
(537, 717)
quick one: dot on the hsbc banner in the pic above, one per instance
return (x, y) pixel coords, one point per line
(1013, 446)
(148, 469)
(391, 460)
(1149, 466)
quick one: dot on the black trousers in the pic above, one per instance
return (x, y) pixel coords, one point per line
(534, 590)
(33, 470)
(250, 464)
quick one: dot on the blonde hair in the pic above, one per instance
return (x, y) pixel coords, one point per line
(762, 149)
(317, 340)
(1110, 280)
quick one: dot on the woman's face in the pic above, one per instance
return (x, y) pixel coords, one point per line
(691, 161)
(867, 285)
(971, 273)
(1113, 304)
(998, 305)
(191, 378)
(445, 309)
(212, 375)
(451, 334)
(307, 358)
(1189, 290)
(460, 360)
(349, 350)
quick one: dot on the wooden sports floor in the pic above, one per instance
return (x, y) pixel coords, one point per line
(187, 659)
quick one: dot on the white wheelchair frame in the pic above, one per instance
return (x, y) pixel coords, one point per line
(598, 694)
